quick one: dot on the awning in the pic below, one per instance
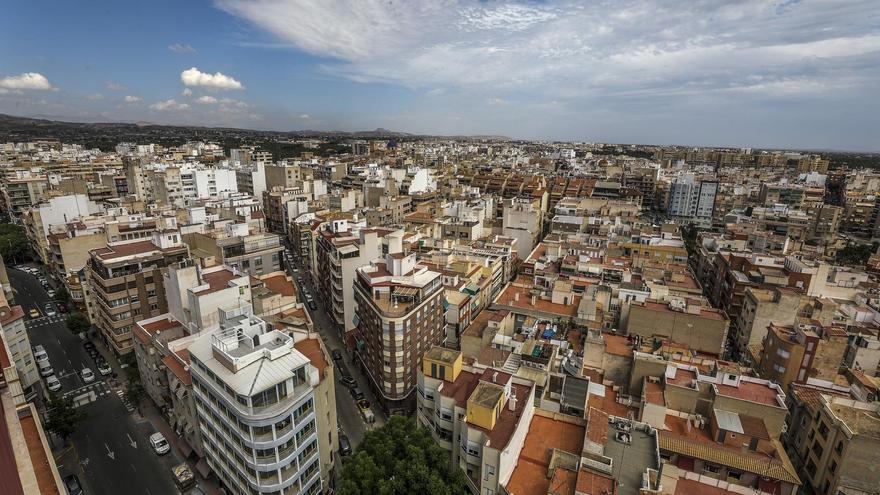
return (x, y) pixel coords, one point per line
(184, 447)
(203, 468)
(406, 291)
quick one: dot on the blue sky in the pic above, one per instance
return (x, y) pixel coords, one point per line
(715, 72)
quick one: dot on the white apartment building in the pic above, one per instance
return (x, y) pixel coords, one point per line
(255, 402)
(692, 198)
(210, 182)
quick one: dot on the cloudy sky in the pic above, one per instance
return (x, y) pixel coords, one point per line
(734, 73)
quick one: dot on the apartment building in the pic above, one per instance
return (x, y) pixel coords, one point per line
(480, 416)
(256, 406)
(283, 175)
(760, 307)
(252, 179)
(691, 198)
(39, 217)
(125, 285)
(235, 244)
(796, 353)
(20, 193)
(523, 220)
(842, 450)
(18, 345)
(339, 251)
(399, 314)
(27, 464)
(683, 321)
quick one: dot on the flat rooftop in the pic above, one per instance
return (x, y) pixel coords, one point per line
(530, 476)
(631, 459)
(442, 354)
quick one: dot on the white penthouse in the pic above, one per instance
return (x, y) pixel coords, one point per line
(256, 407)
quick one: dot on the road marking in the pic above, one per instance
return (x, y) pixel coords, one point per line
(133, 468)
(110, 453)
(131, 441)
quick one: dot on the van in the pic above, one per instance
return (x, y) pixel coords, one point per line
(45, 368)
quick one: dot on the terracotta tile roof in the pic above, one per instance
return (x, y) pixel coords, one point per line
(530, 476)
(177, 368)
(755, 392)
(311, 348)
(39, 458)
(618, 345)
(10, 483)
(217, 281)
(109, 253)
(507, 298)
(591, 482)
(609, 403)
(507, 421)
(279, 284)
(597, 426)
(15, 313)
(692, 487)
(697, 444)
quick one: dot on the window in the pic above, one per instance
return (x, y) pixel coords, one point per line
(488, 472)
(711, 468)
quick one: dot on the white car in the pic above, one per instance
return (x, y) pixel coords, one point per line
(104, 369)
(45, 368)
(52, 383)
(87, 375)
(159, 444)
(50, 293)
(50, 310)
(40, 354)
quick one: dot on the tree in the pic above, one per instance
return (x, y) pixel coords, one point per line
(134, 389)
(13, 243)
(63, 419)
(400, 458)
(77, 323)
(856, 254)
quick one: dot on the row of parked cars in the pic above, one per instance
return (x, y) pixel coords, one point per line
(87, 375)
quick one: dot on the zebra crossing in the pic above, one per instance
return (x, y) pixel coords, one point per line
(87, 394)
(128, 405)
(42, 321)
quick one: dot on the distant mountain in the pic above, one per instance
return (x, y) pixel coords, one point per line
(22, 128)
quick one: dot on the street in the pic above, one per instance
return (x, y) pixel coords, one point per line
(347, 413)
(109, 451)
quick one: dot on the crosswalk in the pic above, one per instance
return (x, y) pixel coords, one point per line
(42, 321)
(128, 406)
(88, 393)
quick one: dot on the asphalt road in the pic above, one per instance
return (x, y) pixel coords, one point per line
(347, 413)
(111, 452)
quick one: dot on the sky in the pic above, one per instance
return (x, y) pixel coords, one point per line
(741, 73)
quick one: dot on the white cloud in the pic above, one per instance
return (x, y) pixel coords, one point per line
(168, 105)
(186, 92)
(114, 86)
(206, 100)
(585, 51)
(304, 116)
(181, 48)
(132, 99)
(497, 102)
(217, 80)
(28, 80)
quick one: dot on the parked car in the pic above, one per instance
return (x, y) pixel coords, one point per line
(88, 345)
(313, 306)
(49, 309)
(159, 444)
(71, 483)
(45, 368)
(50, 293)
(344, 446)
(88, 375)
(357, 393)
(337, 354)
(52, 383)
(104, 368)
(348, 381)
(40, 354)
(33, 313)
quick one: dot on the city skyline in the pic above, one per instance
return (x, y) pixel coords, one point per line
(755, 74)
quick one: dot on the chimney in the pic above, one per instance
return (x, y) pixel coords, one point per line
(511, 403)
(495, 377)
(534, 299)
(516, 296)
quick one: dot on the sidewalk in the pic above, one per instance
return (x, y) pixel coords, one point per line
(150, 414)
